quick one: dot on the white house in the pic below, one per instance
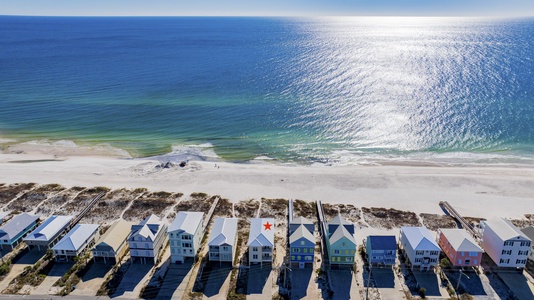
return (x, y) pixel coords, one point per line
(419, 247)
(223, 240)
(529, 232)
(185, 235)
(147, 239)
(505, 244)
(261, 240)
(76, 241)
(48, 233)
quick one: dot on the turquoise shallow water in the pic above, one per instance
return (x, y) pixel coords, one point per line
(326, 90)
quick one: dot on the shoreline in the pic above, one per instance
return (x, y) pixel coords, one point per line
(475, 191)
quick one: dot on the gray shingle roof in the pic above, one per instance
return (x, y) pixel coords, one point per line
(16, 225)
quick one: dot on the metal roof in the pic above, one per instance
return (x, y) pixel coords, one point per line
(261, 232)
(301, 232)
(78, 235)
(382, 242)
(116, 234)
(505, 229)
(224, 231)
(148, 228)
(529, 232)
(50, 228)
(301, 220)
(341, 232)
(16, 225)
(420, 238)
(186, 221)
(461, 241)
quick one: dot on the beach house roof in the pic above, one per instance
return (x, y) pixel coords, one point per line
(116, 234)
(301, 232)
(49, 229)
(16, 225)
(460, 240)
(223, 232)
(382, 242)
(341, 232)
(187, 221)
(505, 229)
(529, 232)
(75, 239)
(261, 232)
(420, 238)
(339, 221)
(301, 221)
(148, 228)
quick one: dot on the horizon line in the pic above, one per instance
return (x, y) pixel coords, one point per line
(275, 16)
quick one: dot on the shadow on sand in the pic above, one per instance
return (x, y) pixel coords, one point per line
(300, 279)
(257, 278)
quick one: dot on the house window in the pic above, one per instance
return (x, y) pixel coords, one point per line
(307, 257)
(333, 258)
(254, 256)
(459, 261)
(255, 249)
(186, 237)
(146, 245)
(305, 250)
(134, 245)
(418, 259)
(473, 254)
(343, 244)
(463, 253)
(346, 251)
(336, 251)
(302, 243)
(298, 257)
(506, 252)
(225, 248)
(349, 258)
(295, 249)
(509, 243)
(186, 245)
(419, 252)
(292, 257)
(525, 244)
(172, 235)
(437, 252)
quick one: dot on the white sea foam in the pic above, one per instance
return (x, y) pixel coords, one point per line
(203, 152)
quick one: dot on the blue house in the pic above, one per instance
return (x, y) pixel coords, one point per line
(381, 249)
(12, 232)
(302, 247)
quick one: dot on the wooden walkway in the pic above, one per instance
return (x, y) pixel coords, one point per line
(453, 213)
(86, 209)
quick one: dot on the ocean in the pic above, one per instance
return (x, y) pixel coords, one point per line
(332, 91)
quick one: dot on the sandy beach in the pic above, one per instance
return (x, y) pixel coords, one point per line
(480, 191)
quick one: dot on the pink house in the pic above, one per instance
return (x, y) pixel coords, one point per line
(460, 247)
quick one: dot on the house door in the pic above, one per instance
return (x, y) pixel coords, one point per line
(301, 265)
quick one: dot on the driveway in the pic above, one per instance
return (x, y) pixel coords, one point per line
(218, 282)
(28, 259)
(387, 283)
(429, 281)
(260, 282)
(518, 284)
(303, 285)
(344, 284)
(46, 287)
(133, 280)
(92, 280)
(176, 281)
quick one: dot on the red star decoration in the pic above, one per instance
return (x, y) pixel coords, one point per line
(267, 225)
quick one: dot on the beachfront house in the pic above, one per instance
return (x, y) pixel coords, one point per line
(12, 231)
(505, 244)
(147, 239)
(419, 247)
(301, 247)
(301, 221)
(529, 232)
(223, 240)
(460, 247)
(76, 241)
(381, 250)
(340, 241)
(48, 233)
(185, 235)
(261, 241)
(114, 243)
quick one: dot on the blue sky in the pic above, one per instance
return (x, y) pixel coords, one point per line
(268, 7)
